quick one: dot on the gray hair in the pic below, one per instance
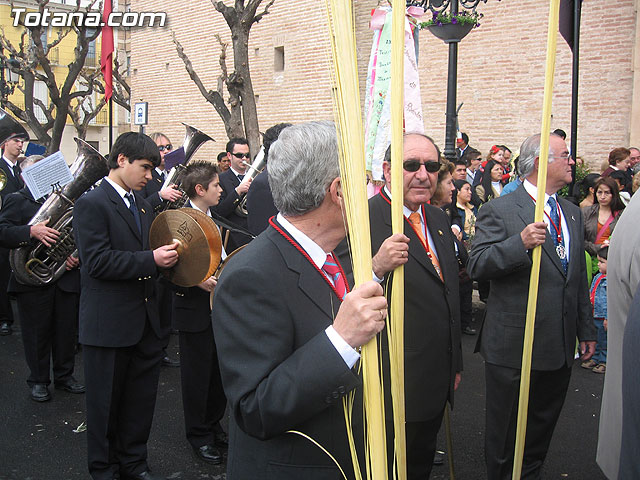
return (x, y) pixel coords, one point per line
(30, 160)
(529, 151)
(302, 164)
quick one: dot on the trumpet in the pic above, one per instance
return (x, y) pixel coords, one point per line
(193, 140)
(253, 169)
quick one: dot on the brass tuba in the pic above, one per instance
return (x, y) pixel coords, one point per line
(38, 264)
(193, 140)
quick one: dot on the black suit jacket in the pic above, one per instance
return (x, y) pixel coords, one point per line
(563, 311)
(432, 312)
(226, 208)
(13, 184)
(19, 208)
(279, 370)
(260, 204)
(117, 269)
(150, 191)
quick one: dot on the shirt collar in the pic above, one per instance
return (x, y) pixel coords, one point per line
(193, 205)
(9, 162)
(533, 191)
(405, 211)
(318, 256)
(235, 172)
(121, 191)
(160, 172)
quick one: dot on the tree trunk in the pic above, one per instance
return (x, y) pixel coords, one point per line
(248, 101)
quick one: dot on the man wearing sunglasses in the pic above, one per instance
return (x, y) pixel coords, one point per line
(433, 357)
(234, 188)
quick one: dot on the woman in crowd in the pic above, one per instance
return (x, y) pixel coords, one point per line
(491, 184)
(600, 218)
(466, 210)
(618, 160)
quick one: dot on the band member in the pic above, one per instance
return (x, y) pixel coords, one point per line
(157, 196)
(48, 313)
(203, 398)
(432, 309)
(12, 139)
(288, 343)
(119, 323)
(234, 188)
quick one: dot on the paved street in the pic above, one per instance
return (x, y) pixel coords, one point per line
(37, 441)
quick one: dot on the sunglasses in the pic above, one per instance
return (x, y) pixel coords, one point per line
(162, 148)
(241, 155)
(414, 166)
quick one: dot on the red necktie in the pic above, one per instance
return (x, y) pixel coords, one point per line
(332, 269)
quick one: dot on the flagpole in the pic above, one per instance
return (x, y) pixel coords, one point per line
(577, 5)
(110, 123)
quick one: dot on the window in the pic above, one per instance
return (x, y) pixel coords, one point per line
(278, 59)
(41, 92)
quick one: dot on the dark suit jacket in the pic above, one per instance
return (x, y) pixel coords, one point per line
(563, 309)
(432, 312)
(229, 200)
(18, 209)
(13, 184)
(260, 204)
(150, 191)
(117, 269)
(279, 370)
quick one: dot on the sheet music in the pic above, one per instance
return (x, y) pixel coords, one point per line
(47, 175)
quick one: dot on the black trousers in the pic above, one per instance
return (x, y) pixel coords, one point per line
(6, 315)
(122, 384)
(203, 398)
(466, 302)
(546, 397)
(49, 323)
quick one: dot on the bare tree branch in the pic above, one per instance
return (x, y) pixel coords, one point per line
(264, 12)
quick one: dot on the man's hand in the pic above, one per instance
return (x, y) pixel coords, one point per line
(71, 262)
(166, 256)
(456, 382)
(244, 186)
(171, 193)
(393, 252)
(361, 315)
(605, 323)
(533, 235)
(587, 349)
(209, 284)
(455, 229)
(44, 234)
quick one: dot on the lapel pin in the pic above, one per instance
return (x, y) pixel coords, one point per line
(143, 210)
(572, 218)
(440, 232)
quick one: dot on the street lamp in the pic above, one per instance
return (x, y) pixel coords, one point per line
(441, 6)
(9, 77)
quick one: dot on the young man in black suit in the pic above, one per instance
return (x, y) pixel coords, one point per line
(203, 398)
(119, 323)
(12, 138)
(234, 188)
(48, 313)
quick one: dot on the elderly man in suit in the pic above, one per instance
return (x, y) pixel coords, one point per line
(506, 234)
(288, 344)
(119, 323)
(623, 274)
(433, 357)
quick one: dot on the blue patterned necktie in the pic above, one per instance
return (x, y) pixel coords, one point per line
(558, 241)
(134, 210)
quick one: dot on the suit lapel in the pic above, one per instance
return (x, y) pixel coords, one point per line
(144, 220)
(527, 212)
(310, 281)
(575, 247)
(122, 209)
(436, 229)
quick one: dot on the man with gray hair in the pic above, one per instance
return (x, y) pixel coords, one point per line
(288, 343)
(506, 234)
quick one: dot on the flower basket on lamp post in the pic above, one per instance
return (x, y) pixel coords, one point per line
(451, 32)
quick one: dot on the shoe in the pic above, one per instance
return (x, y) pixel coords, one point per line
(468, 330)
(142, 476)
(589, 364)
(221, 440)
(438, 458)
(600, 368)
(70, 385)
(169, 362)
(5, 329)
(208, 454)
(40, 393)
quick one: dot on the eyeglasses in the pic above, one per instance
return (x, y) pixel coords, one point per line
(241, 155)
(168, 147)
(414, 166)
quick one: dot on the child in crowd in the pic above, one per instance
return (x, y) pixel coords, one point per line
(598, 294)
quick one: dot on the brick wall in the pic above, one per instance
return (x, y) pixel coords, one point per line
(500, 74)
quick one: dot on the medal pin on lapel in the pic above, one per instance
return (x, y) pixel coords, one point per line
(440, 232)
(143, 210)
